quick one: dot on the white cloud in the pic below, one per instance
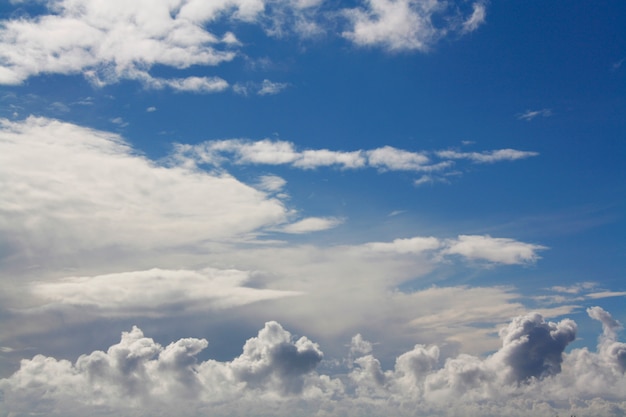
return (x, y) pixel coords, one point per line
(191, 84)
(498, 250)
(324, 157)
(109, 41)
(151, 109)
(476, 19)
(394, 24)
(399, 25)
(68, 189)
(279, 374)
(386, 158)
(271, 183)
(270, 88)
(156, 292)
(489, 156)
(529, 115)
(116, 39)
(311, 224)
(411, 245)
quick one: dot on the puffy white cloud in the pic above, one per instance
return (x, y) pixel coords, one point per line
(115, 39)
(108, 41)
(278, 374)
(398, 25)
(497, 250)
(156, 292)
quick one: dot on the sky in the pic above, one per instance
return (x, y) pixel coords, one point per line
(312, 208)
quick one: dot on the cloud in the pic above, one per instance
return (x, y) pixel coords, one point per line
(311, 224)
(279, 374)
(533, 348)
(270, 88)
(476, 19)
(405, 25)
(107, 42)
(190, 84)
(156, 292)
(115, 40)
(69, 189)
(529, 115)
(386, 158)
(405, 246)
(489, 156)
(499, 250)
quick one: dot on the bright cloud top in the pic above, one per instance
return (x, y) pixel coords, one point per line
(108, 41)
(278, 374)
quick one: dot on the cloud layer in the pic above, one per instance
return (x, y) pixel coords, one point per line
(279, 374)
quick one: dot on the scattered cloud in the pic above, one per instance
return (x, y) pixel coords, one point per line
(124, 40)
(279, 374)
(529, 115)
(386, 158)
(151, 109)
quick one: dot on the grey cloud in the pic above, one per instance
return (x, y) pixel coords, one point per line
(273, 358)
(533, 347)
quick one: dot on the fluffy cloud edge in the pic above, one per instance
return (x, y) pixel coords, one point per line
(279, 374)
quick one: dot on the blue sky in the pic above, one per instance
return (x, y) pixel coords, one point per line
(310, 207)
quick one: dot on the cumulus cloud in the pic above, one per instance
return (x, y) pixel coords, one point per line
(106, 42)
(497, 250)
(401, 25)
(115, 40)
(279, 374)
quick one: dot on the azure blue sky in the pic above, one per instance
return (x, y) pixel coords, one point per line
(312, 207)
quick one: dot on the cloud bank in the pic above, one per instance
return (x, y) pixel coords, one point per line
(279, 374)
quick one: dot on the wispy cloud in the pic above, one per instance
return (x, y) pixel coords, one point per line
(529, 115)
